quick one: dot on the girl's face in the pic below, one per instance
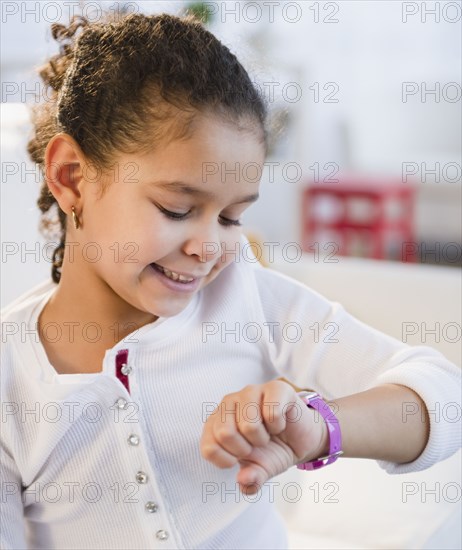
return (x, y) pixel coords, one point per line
(173, 207)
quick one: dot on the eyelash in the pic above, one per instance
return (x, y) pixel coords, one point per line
(180, 217)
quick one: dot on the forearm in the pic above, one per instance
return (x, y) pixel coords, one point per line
(374, 424)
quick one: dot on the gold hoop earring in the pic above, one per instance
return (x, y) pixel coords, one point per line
(75, 218)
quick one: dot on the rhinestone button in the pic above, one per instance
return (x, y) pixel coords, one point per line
(133, 439)
(151, 507)
(162, 535)
(126, 369)
(121, 403)
(141, 477)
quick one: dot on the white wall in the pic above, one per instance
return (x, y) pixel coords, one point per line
(369, 53)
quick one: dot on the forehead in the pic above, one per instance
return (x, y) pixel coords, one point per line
(218, 158)
(218, 139)
(199, 192)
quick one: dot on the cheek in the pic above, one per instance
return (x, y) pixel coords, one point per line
(227, 258)
(147, 238)
(231, 252)
(232, 248)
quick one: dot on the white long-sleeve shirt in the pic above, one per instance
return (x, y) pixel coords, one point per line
(112, 460)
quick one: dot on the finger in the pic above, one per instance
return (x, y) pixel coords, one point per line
(209, 448)
(276, 407)
(251, 477)
(225, 431)
(249, 416)
(212, 451)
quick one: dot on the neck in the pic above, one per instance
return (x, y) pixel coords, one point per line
(88, 310)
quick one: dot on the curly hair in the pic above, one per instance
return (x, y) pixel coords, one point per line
(128, 84)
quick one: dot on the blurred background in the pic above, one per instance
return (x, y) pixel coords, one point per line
(365, 104)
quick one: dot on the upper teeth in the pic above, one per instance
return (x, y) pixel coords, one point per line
(176, 276)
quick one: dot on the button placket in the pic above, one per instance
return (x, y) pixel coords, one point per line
(141, 477)
(126, 369)
(162, 534)
(151, 507)
(121, 403)
(133, 440)
(123, 370)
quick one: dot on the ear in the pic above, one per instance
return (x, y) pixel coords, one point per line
(64, 165)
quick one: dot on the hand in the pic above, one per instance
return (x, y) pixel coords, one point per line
(266, 428)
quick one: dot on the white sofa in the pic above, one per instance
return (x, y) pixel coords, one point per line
(354, 503)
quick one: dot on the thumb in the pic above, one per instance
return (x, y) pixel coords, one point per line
(251, 476)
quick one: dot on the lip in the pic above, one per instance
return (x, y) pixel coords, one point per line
(190, 275)
(176, 285)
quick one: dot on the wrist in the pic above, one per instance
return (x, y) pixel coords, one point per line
(324, 445)
(322, 449)
(330, 434)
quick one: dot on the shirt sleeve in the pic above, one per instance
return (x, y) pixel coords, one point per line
(317, 344)
(12, 525)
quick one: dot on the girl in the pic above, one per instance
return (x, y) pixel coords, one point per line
(136, 415)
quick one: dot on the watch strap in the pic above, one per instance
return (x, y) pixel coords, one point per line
(315, 401)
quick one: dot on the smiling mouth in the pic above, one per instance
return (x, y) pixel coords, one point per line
(174, 276)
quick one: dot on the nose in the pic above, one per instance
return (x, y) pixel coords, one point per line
(205, 242)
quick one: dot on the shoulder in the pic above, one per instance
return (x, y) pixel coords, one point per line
(22, 306)
(268, 292)
(17, 325)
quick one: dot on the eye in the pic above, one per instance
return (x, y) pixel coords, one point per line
(227, 222)
(178, 216)
(174, 215)
(170, 214)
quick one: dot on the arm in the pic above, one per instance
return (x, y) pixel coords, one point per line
(374, 425)
(358, 367)
(378, 424)
(391, 399)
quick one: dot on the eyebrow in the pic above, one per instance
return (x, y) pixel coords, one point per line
(182, 187)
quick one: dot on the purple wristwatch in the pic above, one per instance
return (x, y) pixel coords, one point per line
(315, 401)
